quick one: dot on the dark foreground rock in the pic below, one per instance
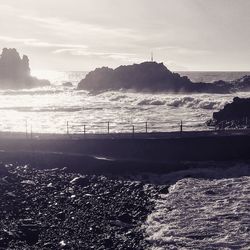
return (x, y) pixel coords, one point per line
(233, 115)
(55, 209)
(147, 77)
(15, 71)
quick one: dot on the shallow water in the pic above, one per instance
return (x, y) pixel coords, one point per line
(207, 210)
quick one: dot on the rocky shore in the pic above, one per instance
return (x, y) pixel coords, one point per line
(235, 115)
(58, 209)
(154, 77)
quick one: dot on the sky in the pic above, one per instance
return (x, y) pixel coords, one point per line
(203, 35)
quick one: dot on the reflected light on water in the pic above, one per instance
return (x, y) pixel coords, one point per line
(55, 77)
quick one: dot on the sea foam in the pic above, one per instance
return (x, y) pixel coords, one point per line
(207, 210)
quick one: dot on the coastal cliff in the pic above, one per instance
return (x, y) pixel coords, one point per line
(15, 71)
(146, 77)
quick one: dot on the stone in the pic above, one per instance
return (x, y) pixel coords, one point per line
(164, 189)
(146, 77)
(30, 231)
(108, 243)
(28, 182)
(233, 115)
(61, 216)
(67, 84)
(80, 180)
(15, 71)
(125, 218)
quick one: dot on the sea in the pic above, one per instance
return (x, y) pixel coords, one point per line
(207, 206)
(58, 109)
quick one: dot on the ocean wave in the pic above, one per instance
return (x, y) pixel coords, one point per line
(32, 92)
(196, 103)
(31, 109)
(118, 98)
(151, 102)
(204, 209)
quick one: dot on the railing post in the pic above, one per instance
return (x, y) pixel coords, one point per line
(84, 129)
(108, 127)
(181, 127)
(146, 127)
(67, 128)
(133, 130)
(31, 132)
(26, 128)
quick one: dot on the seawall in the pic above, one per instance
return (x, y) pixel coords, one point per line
(154, 152)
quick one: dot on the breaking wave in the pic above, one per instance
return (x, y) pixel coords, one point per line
(207, 208)
(151, 102)
(196, 103)
(52, 109)
(118, 98)
(39, 91)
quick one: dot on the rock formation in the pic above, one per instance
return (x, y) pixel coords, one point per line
(233, 115)
(67, 84)
(242, 84)
(15, 71)
(147, 77)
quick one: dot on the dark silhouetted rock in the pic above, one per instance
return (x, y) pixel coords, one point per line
(15, 71)
(67, 84)
(233, 115)
(125, 218)
(164, 189)
(108, 243)
(148, 77)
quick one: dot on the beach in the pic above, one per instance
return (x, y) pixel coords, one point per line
(60, 209)
(81, 193)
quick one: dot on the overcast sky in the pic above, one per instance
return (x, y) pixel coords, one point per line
(85, 34)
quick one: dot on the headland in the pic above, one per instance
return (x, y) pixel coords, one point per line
(154, 77)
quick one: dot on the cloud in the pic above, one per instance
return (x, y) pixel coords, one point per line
(183, 50)
(111, 55)
(71, 27)
(7, 8)
(37, 43)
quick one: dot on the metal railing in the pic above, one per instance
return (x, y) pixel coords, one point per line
(119, 127)
(105, 129)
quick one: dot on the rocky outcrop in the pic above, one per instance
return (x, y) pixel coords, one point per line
(148, 77)
(233, 115)
(242, 84)
(67, 84)
(15, 71)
